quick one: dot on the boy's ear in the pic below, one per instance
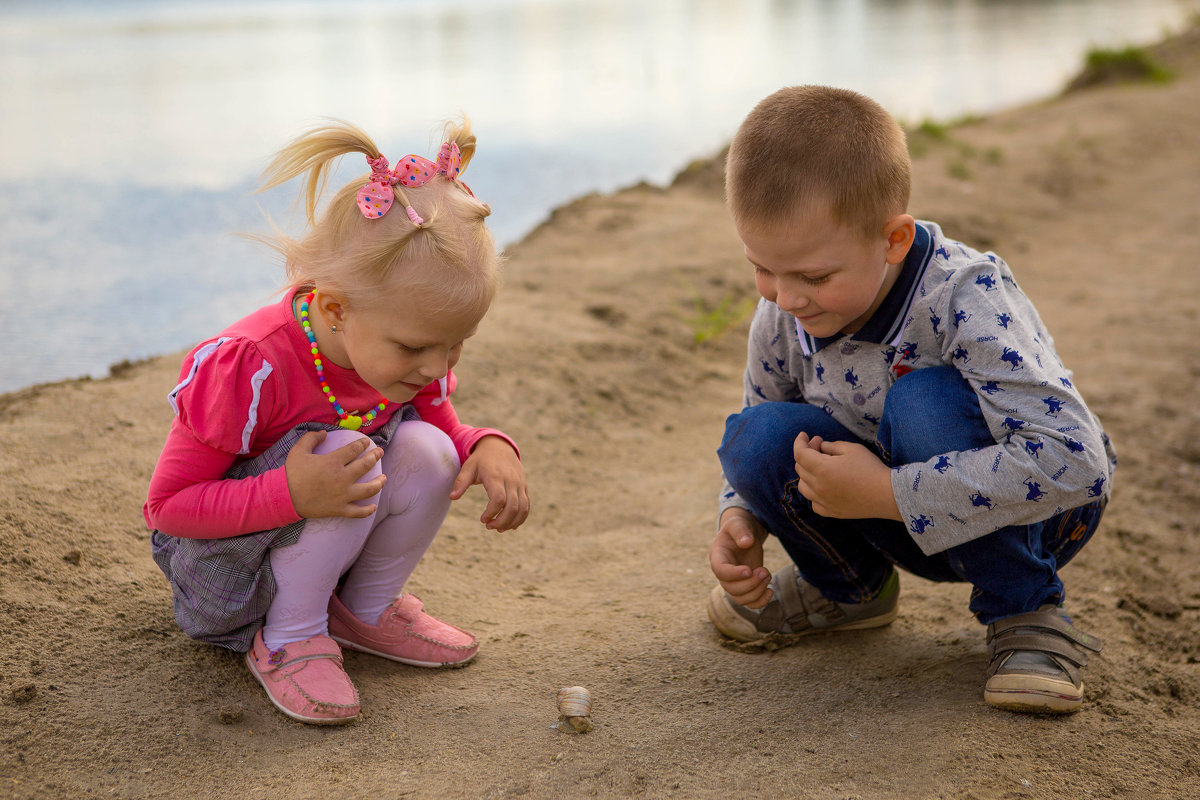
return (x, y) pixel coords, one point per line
(900, 231)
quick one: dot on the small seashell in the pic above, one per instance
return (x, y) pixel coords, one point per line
(574, 709)
(574, 701)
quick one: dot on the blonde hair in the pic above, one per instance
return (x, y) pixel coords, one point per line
(805, 146)
(449, 260)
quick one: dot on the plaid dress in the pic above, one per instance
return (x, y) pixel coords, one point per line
(223, 587)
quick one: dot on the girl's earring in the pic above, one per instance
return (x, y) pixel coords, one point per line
(333, 328)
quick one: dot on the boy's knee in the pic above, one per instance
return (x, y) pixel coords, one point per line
(749, 436)
(756, 423)
(758, 440)
(924, 393)
(931, 411)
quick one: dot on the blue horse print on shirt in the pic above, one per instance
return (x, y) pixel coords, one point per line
(1013, 358)
(919, 524)
(1012, 425)
(979, 501)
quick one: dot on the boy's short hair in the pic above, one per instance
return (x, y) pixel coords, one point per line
(804, 145)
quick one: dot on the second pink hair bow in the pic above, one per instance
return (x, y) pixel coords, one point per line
(376, 197)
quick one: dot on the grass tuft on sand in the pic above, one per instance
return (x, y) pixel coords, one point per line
(1126, 65)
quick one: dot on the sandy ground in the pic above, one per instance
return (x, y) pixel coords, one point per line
(591, 360)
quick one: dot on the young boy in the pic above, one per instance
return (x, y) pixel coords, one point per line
(904, 407)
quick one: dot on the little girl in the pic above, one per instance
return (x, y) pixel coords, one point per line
(314, 451)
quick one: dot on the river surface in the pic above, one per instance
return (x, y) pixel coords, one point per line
(132, 131)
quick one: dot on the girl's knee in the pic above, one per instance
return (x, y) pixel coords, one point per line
(337, 438)
(420, 447)
(340, 438)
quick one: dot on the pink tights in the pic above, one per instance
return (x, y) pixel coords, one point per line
(380, 551)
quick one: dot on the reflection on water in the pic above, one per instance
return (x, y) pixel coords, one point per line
(132, 130)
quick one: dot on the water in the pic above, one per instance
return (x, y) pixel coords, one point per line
(133, 130)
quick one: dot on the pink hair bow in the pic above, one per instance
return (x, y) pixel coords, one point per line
(376, 197)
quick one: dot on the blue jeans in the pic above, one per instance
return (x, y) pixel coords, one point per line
(926, 413)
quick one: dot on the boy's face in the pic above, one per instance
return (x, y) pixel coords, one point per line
(823, 273)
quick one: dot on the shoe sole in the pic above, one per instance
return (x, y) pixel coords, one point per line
(1032, 694)
(287, 712)
(409, 661)
(733, 625)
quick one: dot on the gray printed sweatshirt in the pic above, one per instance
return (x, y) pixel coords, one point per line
(951, 306)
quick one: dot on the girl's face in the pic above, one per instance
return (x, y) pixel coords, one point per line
(397, 346)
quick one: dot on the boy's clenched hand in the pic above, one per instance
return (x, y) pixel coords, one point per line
(844, 480)
(736, 558)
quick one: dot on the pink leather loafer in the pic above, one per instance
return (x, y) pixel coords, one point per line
(404, 633)
(305, 680)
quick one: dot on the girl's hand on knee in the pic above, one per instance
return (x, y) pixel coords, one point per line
(330, 484)
(495, 464)
(736, 558)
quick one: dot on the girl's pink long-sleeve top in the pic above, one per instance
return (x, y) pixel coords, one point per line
(238, 394)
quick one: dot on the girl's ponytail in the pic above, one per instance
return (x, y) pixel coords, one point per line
(436, 243)
(315, 152)
(460, 134)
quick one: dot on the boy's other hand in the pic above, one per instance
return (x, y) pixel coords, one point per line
(844, 480)
(736, 558)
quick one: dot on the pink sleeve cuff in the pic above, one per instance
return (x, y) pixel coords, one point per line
(279, 498)
(478, 433)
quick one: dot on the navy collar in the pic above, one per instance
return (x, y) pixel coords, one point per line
(887, 322)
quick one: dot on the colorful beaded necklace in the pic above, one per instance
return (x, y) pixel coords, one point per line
(351, 421)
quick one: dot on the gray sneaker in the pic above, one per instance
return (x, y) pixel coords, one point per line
(1036, 662)
(797, 609)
